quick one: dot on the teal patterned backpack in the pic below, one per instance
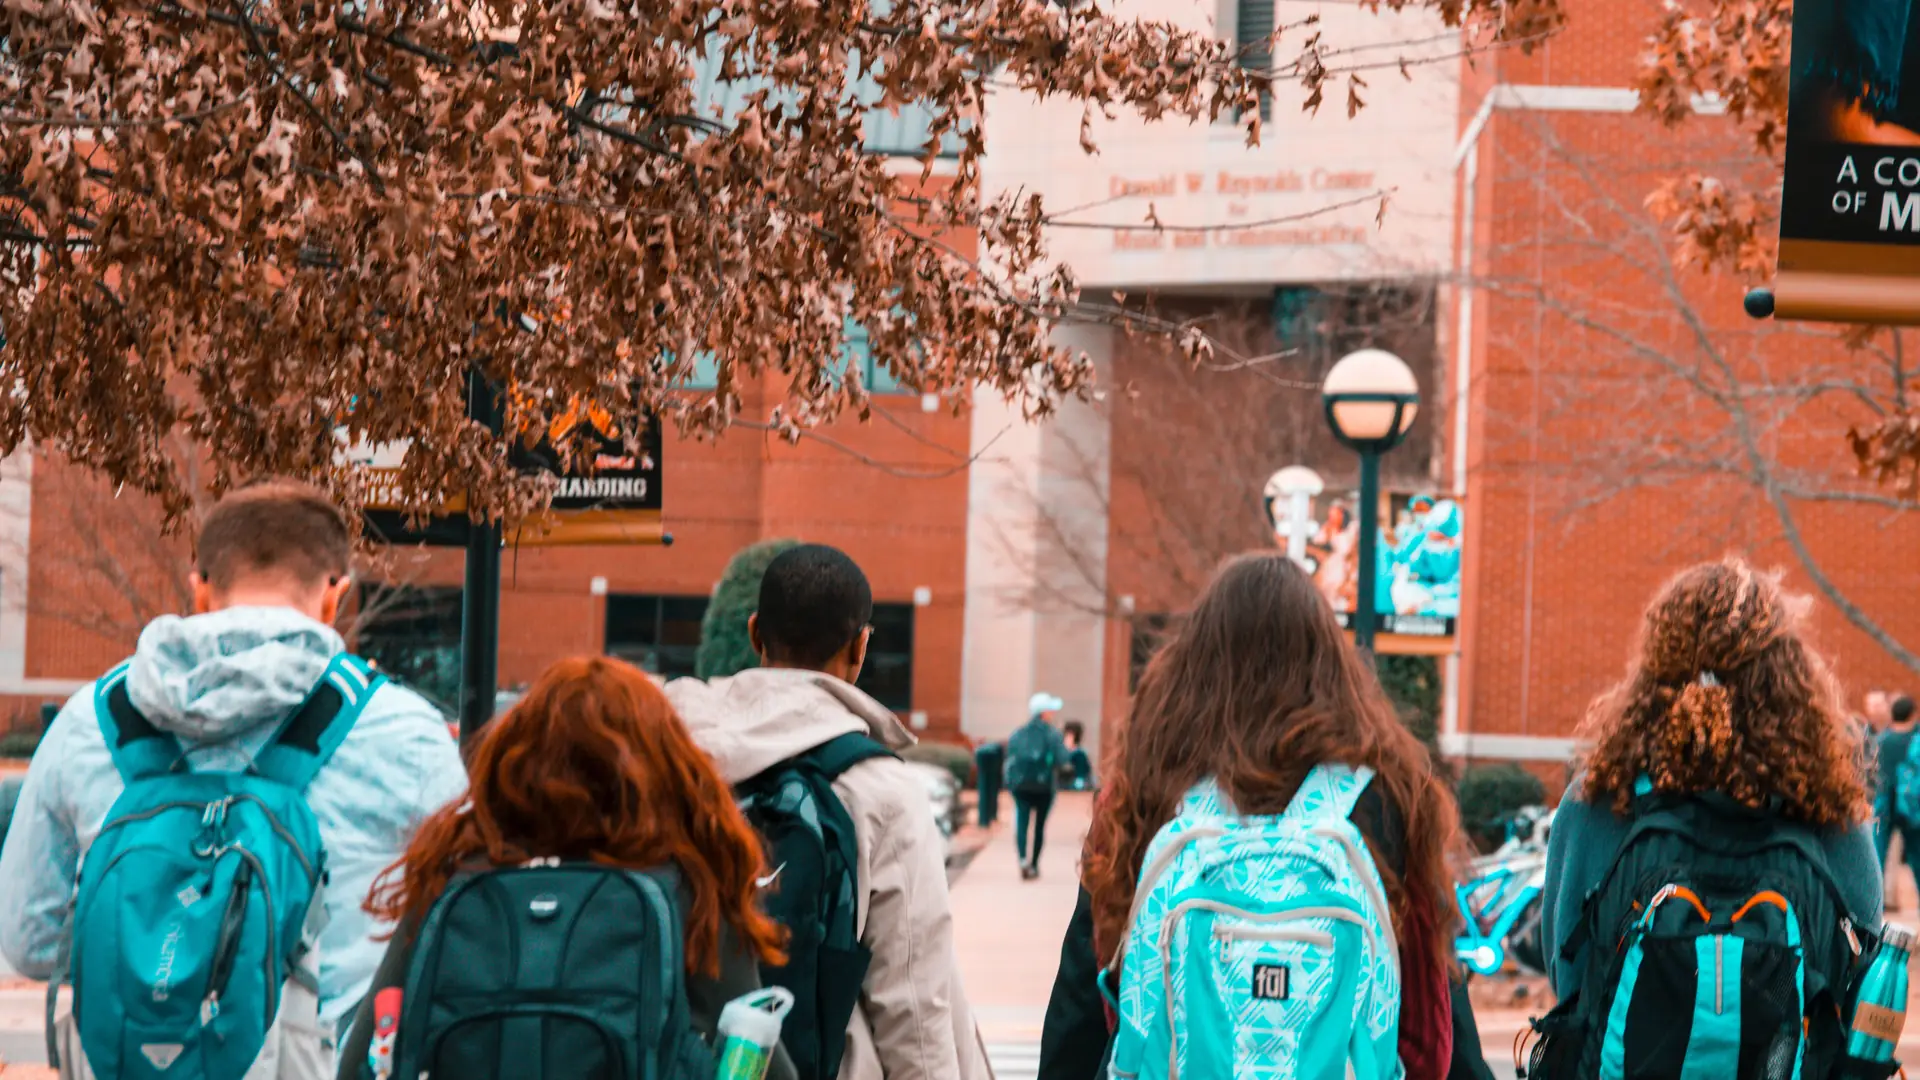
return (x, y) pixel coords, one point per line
(1261, 948)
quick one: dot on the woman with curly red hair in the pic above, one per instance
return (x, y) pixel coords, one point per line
(594, 766)
(1723, 774)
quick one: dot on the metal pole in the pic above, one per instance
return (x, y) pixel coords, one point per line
(1367, 571)
(480, 606)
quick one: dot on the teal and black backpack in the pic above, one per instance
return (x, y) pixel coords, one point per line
(812, 889)
(1718, 947)
(199, 906)
(1031, 765)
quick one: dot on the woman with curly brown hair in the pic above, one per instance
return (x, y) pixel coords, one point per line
(1730, 730)
(1258, 698)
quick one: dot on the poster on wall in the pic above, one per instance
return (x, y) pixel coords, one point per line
(1850, 205)
(1418, 563)
(616, 501)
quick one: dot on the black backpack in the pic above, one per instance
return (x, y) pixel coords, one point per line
(545, 972)
(1718, 944)
(812, 855)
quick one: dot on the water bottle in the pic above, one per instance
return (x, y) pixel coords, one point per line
(1880, 1008)
(750, 1030)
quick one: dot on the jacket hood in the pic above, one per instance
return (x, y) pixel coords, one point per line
(208, 678)
(751, 721)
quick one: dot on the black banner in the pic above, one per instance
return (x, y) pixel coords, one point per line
(1852, 192)
(616, 499)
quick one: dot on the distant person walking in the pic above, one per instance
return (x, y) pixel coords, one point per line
(239, 764)
(877, 987)
(1079, 768)
(1035, 754)
(592, 770)
(1897, 798)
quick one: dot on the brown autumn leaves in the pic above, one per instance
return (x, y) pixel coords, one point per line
(284, 226)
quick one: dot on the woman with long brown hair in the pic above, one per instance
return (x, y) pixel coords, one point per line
(1259, 691)
(1721, 773)
(592, 766)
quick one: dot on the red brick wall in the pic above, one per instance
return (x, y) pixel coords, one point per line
(1572, 523)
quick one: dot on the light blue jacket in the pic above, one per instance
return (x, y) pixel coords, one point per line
(222, 683)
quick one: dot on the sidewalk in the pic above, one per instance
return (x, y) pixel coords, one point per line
(1008, 931)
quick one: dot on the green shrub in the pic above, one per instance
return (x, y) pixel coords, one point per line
(1489, 796)
(1413, 685)
(19, 743)
(957, 760)
(725, 648)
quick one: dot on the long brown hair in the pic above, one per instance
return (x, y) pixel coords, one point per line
(1256, 688)
(1725, 695)
(594, 765)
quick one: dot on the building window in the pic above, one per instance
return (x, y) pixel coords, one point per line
(904, 132)
(1149, 633)
(657, 634)
(888, 674)
(661, 635)
(1298, 318)
(857, 353)
(412, 634)
(1253, 32)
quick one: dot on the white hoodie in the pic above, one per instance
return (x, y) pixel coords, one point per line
(913, 1021)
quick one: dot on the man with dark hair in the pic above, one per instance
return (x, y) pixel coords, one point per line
(797, 729)
(221, 691)
(815, 605)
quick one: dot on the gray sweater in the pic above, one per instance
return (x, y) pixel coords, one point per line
(1585, 838)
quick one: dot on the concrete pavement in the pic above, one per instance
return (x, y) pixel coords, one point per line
(1007, 932)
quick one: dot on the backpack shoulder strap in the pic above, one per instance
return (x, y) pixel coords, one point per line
(316, 729)
(140, 751)
(1329, 792)
(837, 755)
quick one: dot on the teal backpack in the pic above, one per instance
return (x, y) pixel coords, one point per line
(1031, 768)
(1261, 948)
(199, 906)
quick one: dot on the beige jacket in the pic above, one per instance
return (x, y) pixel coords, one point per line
(913, 1021)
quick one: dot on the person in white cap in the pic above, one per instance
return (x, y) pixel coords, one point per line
(1034, 756)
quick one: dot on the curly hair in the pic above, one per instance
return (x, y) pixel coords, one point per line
(593, 765)
(1259, 685)
(1724, 694)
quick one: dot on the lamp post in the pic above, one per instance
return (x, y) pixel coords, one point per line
(1371, 399)
(1289, 497)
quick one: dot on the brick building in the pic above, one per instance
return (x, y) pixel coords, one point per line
(1602, 417)
(1625, 417)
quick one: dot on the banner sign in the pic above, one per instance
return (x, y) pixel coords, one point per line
(1850, 204)
(618, 500)
(1417, 595)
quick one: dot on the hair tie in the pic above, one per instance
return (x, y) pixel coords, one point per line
(1708, 679)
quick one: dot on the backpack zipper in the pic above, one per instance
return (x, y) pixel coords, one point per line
(232, 923)
(149, 813)
(285, 835)
(272, 960)
(1227, 935)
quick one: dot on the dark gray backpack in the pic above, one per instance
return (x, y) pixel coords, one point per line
(545, 972)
